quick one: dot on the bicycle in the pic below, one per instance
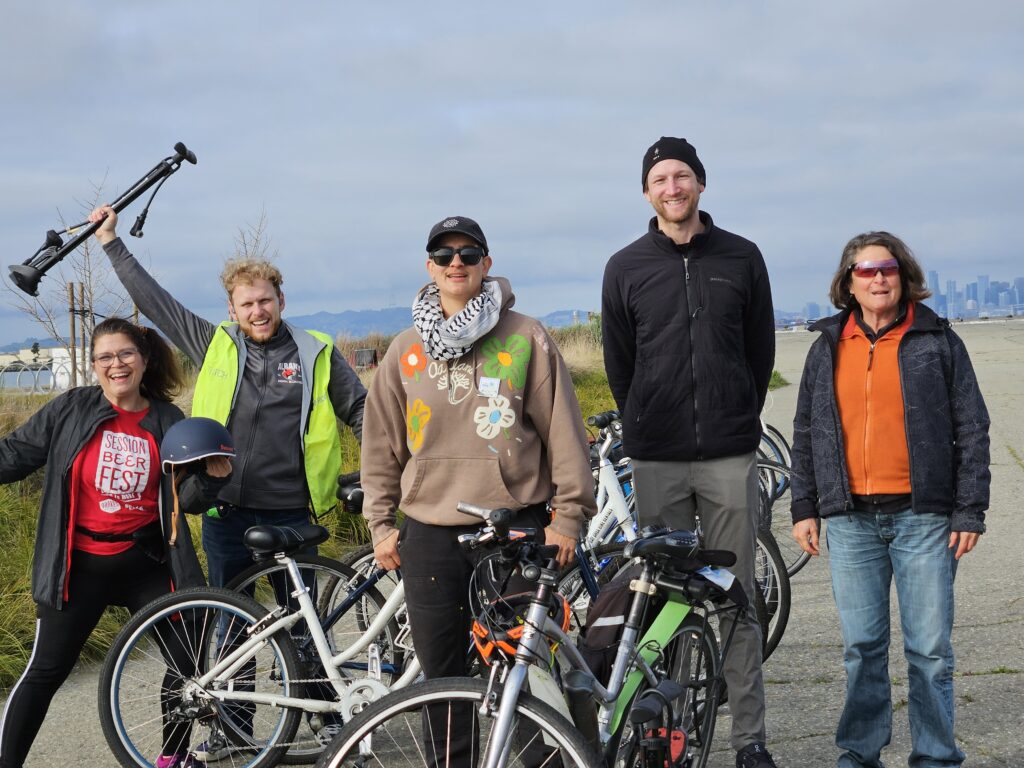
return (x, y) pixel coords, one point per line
(240, 669)
(360, 612)
(659, 703)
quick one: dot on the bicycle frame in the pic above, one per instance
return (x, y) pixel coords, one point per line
(275, 621)
(632, 662)
(613, 512)
(391, 607)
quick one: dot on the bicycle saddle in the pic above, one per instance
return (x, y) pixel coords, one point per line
(269, 539)
(681, 548)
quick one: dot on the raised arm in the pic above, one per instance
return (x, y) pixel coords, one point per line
(186, 330)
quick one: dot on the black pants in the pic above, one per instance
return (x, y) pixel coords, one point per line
(130, 579)
(436, 572)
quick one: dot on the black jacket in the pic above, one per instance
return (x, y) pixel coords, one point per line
(53, 437)
(946, 423)
(689, 343)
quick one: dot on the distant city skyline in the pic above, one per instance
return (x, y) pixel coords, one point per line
(970, 298)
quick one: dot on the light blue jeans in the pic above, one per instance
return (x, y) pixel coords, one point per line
(866, 552)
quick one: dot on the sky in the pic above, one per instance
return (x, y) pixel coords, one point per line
(351, 128)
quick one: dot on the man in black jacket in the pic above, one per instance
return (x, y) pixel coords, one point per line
(689, 345)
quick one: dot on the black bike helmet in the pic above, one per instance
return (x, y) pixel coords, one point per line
(193, 439)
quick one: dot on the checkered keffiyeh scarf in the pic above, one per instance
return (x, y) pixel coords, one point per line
(452, 338)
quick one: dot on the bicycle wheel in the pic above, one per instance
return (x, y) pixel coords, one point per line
(691, 658)
(773, 446)
(773, 580)
(149, 697)
(411, 727)
(331, 583)
(774, 513)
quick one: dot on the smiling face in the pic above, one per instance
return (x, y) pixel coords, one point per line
(458, 282)
(120, 381)
(674, 191)
(878, 295)
(257, 307)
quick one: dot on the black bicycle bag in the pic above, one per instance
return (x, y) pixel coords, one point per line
(606, 618)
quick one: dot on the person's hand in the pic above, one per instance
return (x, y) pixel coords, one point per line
(218, 466)
(806, 534)
(106, 231)
(566, 546)
(385, 552)
(963, 541)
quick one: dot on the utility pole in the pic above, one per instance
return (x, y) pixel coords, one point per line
(81, 326)
(71, 336)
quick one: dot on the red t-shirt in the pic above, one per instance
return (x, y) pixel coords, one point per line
(115, 482)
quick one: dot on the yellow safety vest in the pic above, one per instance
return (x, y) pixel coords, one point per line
(321, 444)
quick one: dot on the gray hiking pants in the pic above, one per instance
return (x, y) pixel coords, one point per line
(723, 492)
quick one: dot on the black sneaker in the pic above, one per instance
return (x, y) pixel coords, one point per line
(754, 756)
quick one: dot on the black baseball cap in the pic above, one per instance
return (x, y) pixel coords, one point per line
(460, 224)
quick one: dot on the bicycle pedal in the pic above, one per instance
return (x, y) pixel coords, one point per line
(676, 744)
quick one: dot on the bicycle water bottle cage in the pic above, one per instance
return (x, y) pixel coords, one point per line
(266, 540)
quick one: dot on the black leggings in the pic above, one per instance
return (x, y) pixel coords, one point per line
(130, 579)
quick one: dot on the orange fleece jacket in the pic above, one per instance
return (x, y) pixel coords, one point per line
(870, 399)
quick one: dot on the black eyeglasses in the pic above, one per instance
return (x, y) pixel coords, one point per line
(470, 255)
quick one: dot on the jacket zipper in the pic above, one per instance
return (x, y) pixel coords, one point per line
(252, 433)
(867, 418)
(693, 366)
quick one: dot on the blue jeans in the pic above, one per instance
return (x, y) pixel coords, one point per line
(865, 553)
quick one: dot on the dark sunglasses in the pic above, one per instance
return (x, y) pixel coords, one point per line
(469, 254)
(888, 268)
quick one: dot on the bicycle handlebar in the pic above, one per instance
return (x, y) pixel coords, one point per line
(603, 419)
(498, 519)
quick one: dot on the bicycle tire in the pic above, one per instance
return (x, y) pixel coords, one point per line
(395, 723)
(334, 582)
(156, 656)
(774, 446)
(774, 493)
(773, 579)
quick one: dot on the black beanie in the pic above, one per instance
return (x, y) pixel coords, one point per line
(671, 148)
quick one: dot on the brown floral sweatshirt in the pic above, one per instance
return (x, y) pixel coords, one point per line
(498, 427)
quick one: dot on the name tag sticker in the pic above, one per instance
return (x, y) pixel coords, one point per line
(488, 387)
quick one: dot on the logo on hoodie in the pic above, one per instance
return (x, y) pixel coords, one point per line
(289, 373)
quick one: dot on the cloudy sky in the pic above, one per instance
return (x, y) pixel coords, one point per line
(353, 127)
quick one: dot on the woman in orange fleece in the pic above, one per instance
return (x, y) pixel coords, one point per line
(891, 445)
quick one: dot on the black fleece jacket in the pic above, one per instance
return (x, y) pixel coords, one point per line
(689, 343)
(53, 437)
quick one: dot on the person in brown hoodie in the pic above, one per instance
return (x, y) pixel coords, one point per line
(473, 403)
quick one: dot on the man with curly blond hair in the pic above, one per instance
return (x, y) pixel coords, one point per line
(278, 389)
